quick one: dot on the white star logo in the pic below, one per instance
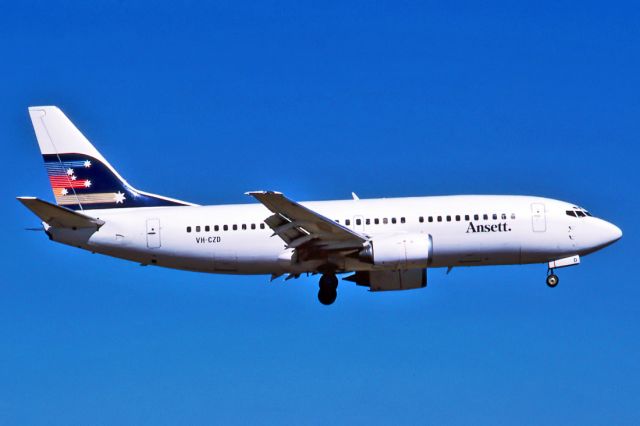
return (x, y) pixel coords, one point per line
(73, 177)
(119, 197)
(87, 183)
(64, 191)
(69, 171)
(87, 164)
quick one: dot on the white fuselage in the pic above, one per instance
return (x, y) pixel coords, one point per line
(466, 230)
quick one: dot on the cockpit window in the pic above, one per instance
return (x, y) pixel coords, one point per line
(578, 212)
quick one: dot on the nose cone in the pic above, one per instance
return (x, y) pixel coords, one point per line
(614, 233)
(605, 233)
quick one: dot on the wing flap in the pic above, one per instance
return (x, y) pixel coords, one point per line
(299, 226)
(58, 216)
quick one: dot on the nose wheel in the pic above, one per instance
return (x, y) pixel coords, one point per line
(328, 291)
(552, 279)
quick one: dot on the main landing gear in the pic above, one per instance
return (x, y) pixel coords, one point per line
(328, 289)
(552, 279)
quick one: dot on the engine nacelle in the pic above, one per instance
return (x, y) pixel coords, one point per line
(402, 251)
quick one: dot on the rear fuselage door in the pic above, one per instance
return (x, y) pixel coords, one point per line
(153, 233)
(538, 217)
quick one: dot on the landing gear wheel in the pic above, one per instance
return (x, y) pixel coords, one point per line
(552, 280)
(328, 289)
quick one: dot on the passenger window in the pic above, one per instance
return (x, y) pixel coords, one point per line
(402, 220)
(225, 227)
(337, 221)
(448, 218)
(466, 217)
(376, 221)
(513, 215)
(476, 217)
(198, 228)
(207, 228)
(262, 226)
(393, 220)
(495, 216)
(504, 216)
(244, 227)
(253, 226)
(421, 219)
(439, 218)
(430, 218)
(235, 227)
(216, 228)
(358, 221)
(347, 222)
(485, 216)
(457, 218)
(385, 221)
(367, 221)
(188, 229)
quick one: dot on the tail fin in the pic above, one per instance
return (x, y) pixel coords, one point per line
(81, 178)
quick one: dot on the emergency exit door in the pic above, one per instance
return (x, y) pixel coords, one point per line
(153, 233)
(538, 217)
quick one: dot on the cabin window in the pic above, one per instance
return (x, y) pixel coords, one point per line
(466, 217)
(448, 218)
(376, 221)
(430, 218)
(504, 216)
(244, 227)
(495, 216)
(402, 220)
(439, 218)
(207, 228)
(421, 219)
(385, 221)
(262, 226)
(253, 226)
(347, 222)
(457, 218)
(337, 220)
(358, 221)
(188, 229)
(225, 227)
(216, 228)
(485, 216)
(393, 220)
(513, 215)
(367, 221)
(198, 228)
(235, 227)
(476, 217)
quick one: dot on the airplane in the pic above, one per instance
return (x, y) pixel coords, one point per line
(383, 244)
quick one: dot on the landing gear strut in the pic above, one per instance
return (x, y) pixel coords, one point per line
(552, 279)
(328, 289)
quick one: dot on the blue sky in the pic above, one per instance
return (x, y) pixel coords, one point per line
(204, 101)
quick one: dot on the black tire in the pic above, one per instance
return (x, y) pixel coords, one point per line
(552, 280)
(328, 282)
(327, 297)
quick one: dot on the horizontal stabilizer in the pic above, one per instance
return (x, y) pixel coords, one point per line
(57, 216)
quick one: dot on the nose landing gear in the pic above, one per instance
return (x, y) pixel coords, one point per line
(328, 289)
(552, 279)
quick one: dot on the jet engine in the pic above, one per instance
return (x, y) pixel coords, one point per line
(401, 251)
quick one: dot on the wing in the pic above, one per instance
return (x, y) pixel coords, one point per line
(302, 228)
